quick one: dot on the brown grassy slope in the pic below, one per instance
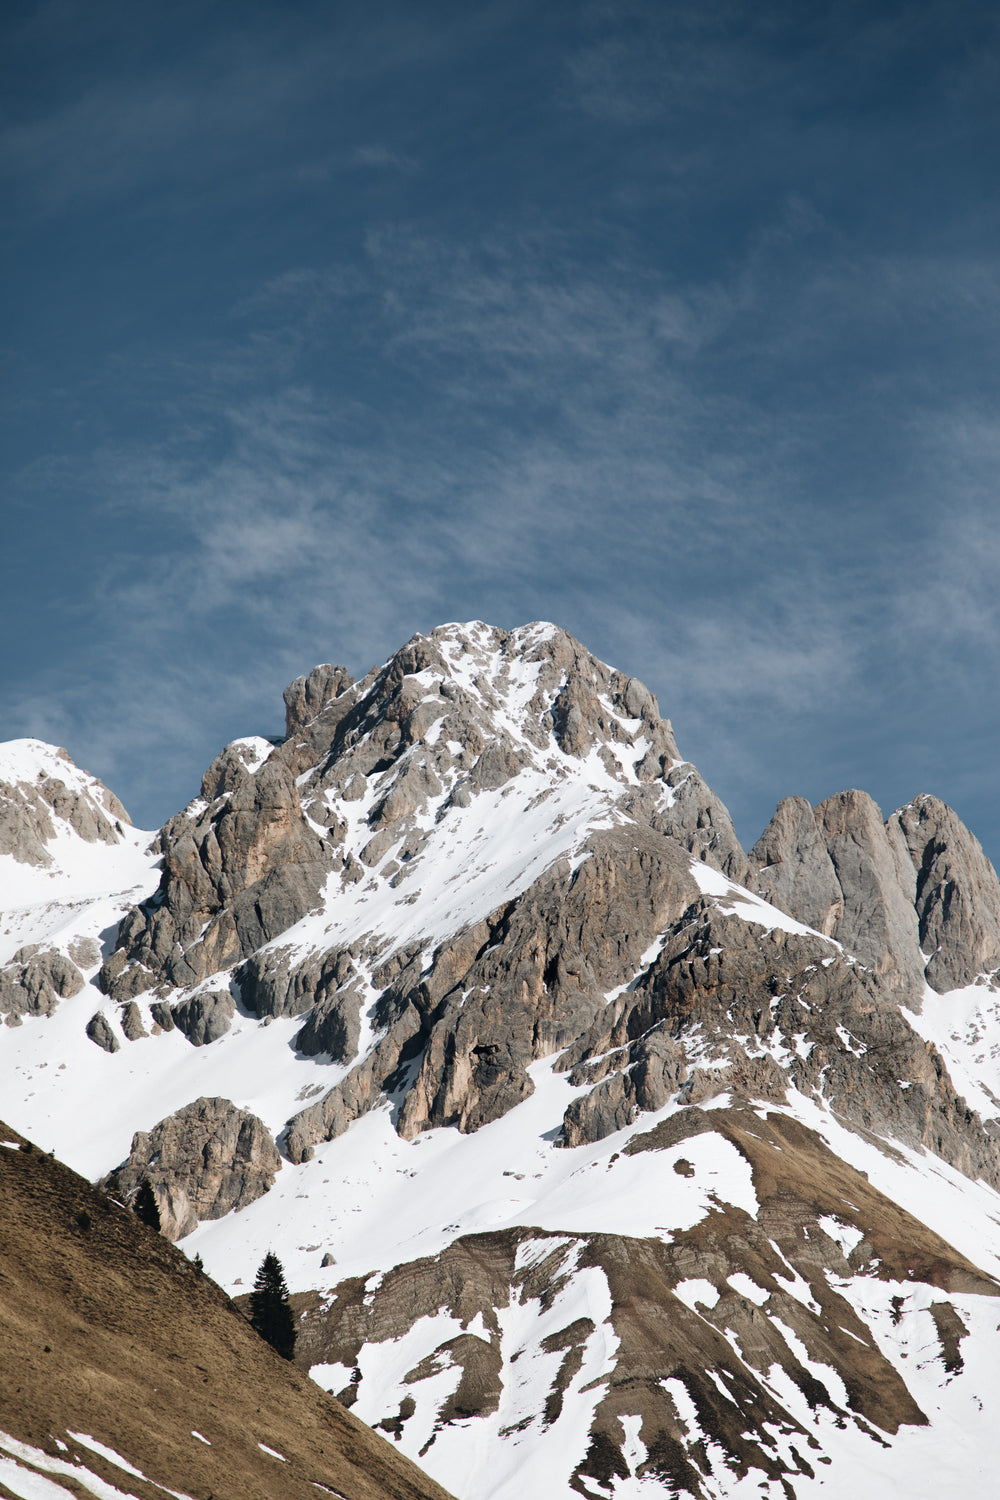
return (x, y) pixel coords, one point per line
(106, 1329)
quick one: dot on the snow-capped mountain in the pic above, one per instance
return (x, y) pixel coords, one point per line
(603, 1157)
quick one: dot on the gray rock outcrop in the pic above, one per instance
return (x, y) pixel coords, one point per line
(333, 1026)
(641, 1076)
(100, 1032)
(312, 705)
(161, 1013)
(36, 979)
(878, 923)
(205, 1016)
(206, 1160)
(839, 869)
(276, 983)
(794, 869)
(957, 894)
(768, 1010)
(235, 876)
(512, 989)
(25, 824)
(916, 887)
(27, 809)
(131, 1019)
(700, 822)
(542, 976)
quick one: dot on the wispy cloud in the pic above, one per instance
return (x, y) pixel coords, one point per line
(689, 387)
(945, 604)
(550, 455)
(552, 440)
(383, 157)
(132, 112)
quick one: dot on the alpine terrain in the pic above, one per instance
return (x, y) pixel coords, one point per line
(602, 1157)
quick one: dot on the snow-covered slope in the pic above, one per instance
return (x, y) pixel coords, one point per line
(627, 1180)
(70, 860)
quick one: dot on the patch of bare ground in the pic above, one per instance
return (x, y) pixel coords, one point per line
(107, 1330)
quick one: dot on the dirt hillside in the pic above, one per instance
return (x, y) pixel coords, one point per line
(108, 1332)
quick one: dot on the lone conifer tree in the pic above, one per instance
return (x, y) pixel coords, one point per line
(270, 1313)
(146, 1207)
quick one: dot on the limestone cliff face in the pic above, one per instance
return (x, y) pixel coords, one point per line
(957, 894)
(914, 898)
(238, 869)
(521, 985)
(771, 1010)
(207, 1160)
(793, 868)
(838, 868)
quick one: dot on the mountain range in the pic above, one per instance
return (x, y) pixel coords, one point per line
(603, 1156)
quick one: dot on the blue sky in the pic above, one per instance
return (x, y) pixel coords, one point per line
(676, 324)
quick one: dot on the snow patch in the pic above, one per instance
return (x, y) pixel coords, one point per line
(696, 1293)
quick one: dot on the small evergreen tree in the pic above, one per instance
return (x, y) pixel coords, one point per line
(270, 1313)
(146, 1207)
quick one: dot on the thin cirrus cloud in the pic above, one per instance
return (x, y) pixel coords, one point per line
(609, 462)
(308, 536)
(673, 324)
(166, 99)
(630, 475)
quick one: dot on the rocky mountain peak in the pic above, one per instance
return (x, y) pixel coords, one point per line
(550, 1068)
(915, 897)
(468, 707)
(45, 797)
(535, 689)
(448, 867)
(308, 696)
(841, 870)
(369, 771)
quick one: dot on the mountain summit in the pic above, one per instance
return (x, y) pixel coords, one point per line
(604, 1158)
